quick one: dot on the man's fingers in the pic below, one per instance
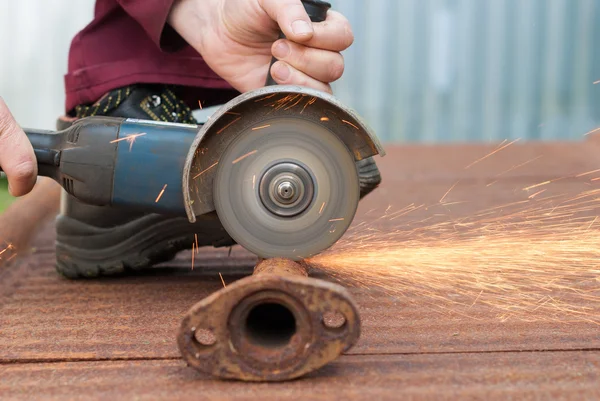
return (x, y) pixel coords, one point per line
(291, 17)
(322, 65)
(285, 74)
(335, 33)
(16, 154)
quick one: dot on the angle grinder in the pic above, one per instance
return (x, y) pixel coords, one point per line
(277, 164)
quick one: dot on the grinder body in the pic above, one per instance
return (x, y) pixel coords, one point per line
(109, 161)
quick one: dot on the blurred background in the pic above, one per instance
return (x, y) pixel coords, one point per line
(427, 71)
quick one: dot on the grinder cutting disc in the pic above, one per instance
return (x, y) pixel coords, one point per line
(286, 187)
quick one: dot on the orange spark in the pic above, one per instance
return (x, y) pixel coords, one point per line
(592, 131)
(311, 101)
(295, 104)
(222, 281)
(536, 194)
(324, 118)
(448, 191)
(243, 157)
(193, 249)
(338, 219)
(261, 127)
(233, 113)
(349, 123)
(161, 194)
(196, 241)
(200, 104)
(205, 170)
(265, 97)
(322, 207)
(129, 138)
(492, 153)
(228, 125)
(518, 166)
(254, 181)
(543, 183)
(596, 82)
(588, 173)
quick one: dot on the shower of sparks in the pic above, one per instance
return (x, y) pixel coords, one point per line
(205, 170)
(492, 153)
(349, 123)
(228, 125)
(261, 127)
(222, 281)
(160, 194)
(129, 138)
(533, 259)
(239, 159)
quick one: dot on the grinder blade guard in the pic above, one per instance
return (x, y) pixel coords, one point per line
(278, 166)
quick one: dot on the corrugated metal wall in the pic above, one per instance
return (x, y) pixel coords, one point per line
(420, 70)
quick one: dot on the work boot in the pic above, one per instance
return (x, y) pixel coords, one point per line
(97, 241)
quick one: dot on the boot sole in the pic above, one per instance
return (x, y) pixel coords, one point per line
(146, 243)
(369, 176)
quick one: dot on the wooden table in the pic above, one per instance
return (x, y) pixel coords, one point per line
(114, 338)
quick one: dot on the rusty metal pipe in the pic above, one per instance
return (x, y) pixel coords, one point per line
(277, 324)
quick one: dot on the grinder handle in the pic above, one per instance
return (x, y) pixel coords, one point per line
(46, 146)
(317, 11)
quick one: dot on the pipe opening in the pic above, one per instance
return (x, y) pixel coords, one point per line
(270, 325)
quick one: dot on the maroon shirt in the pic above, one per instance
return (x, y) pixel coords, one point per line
(129, 42)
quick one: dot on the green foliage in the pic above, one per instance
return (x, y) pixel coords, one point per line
(5, 198)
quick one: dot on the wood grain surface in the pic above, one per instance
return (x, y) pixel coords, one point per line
(114, 338)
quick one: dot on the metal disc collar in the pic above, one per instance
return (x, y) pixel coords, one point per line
(286, 189)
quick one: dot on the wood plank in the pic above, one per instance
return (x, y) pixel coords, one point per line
(43, 316)
(524, 376)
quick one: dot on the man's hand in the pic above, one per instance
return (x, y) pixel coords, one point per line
(16, 154)
(237, 39)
